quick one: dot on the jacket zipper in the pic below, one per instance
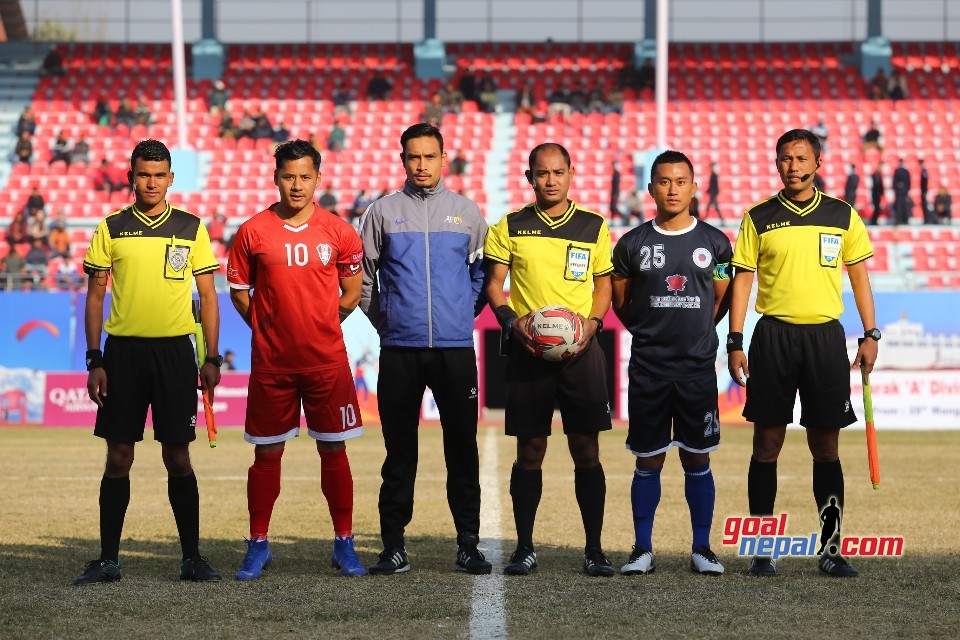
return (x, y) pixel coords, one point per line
(426, 237)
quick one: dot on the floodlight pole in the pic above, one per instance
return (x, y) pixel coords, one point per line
(661, 73)
(179, 73)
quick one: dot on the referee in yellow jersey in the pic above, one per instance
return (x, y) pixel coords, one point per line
(555, 253)
(797, 243)
(154, 252)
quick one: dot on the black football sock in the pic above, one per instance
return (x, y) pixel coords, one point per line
(590, 485)
(762, 487)
(185, 501)
(526, 487)
(114, 498)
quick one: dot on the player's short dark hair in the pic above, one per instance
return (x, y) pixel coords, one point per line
(421, 130)
(294, 150)
(671, 157)
(796, 135)
(150, 151)
(543, 147)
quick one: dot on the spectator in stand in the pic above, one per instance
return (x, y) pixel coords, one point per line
(525, 101)
(337, 138)
(615, 101)
(452, 99)
(217, 101)
(871, 139)
(876, 192)
(17, 230)
(280, 132)
(928, 216)
(37, 259)
(24, 149)
(59, 240)
(634, 207)
(61, 150)
(379, 87)
(647, 76)
(52, 64)
(559, 102)
(468, 86)
(105, 178)
(897, 86)
(102, 113)
(342, 96)
(14, 268)
(35, 200)
(360, 204)
(820, 130)
(228, 128)
(615, 191)
(458, 166)
(81, 152)
(487, 97)
(578, 97)
(851, 186)
(315, 143)
(901, 194)
(328, 200)
(597, 99)
(713, 191)
(434, 109)
(142, 113)
(943, 205)
(68, 276)
(262, 128)
(125, 113)
(27, 122)
(878, 86)
(217, 228)
(228, 361)
(38, 228)
(246, 126)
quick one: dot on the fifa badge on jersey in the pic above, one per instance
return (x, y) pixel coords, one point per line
(325, 253)
(829, 250)
(177, 257)
(578, 263)
(702, 257)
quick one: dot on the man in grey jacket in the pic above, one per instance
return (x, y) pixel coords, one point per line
(422, 283)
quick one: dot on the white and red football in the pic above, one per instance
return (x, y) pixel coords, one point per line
(556, 330)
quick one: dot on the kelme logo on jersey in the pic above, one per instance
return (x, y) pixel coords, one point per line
(578, 262)
(702, 257)
(829, 249)
(177, 257)
(325, 253)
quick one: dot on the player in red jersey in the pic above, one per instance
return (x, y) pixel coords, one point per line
(303, 263)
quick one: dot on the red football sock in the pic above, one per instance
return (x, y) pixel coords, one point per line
(336, 481)
(263, 487)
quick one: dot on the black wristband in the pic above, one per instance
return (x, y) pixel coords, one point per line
(734, 342)
(505, 315)
(94, 359)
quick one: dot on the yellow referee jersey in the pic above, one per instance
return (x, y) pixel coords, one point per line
(552, 260)
(797, 252)
(152, 260)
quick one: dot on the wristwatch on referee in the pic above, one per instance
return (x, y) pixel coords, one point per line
(599, 323)
(872, 333)
(217, 361)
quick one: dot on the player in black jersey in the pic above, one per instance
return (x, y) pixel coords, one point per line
(670, 280)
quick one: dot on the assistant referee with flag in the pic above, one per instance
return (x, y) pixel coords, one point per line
(152, 250)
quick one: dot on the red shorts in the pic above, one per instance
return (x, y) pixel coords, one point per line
(329, 403)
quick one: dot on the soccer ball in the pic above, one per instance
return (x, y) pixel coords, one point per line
(556, 330)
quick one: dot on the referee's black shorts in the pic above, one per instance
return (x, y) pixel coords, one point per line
(159, 373)
(536, 386)
(810, 358)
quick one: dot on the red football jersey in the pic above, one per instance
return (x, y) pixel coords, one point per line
(295, 273)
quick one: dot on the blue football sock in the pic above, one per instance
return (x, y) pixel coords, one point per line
(701, 495)
(644, 496)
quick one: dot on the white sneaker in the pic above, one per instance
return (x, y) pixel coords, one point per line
(704, 561)
(640, 562)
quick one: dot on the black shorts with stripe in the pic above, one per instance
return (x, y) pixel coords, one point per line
(668, 413)
(810, 358)
(536, 386)
(159, 373)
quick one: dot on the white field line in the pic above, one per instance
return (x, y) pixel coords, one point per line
(488, 611)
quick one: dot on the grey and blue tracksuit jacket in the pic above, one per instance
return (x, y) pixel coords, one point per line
(423, 267)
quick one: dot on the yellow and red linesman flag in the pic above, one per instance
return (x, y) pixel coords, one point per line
(201, 358)
(873, 458)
